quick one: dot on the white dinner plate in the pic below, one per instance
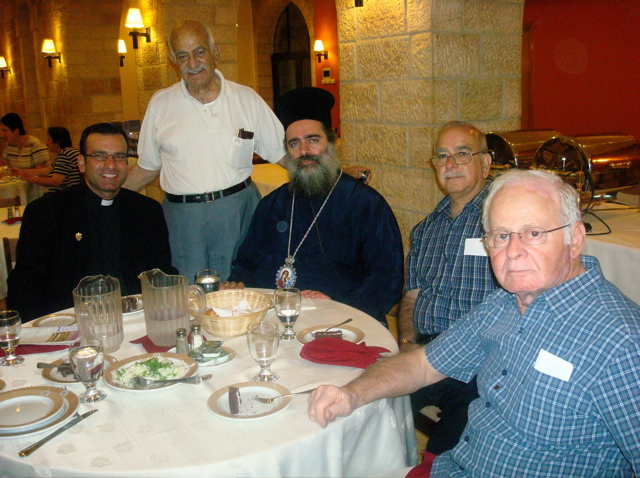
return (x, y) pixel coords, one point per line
(218, 403)
(2, 385)
(54, 320)
(139, 307)
(352, 334)
(69, 407)
(110, 380)
(53, 375)
(25, 408)
(231, 354)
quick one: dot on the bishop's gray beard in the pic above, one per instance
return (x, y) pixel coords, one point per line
(313, 180)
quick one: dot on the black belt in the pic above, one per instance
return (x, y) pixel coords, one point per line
(208, 197)
(424, 339)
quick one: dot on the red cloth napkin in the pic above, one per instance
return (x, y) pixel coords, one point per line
(36, 349)
(148, 345)
(335, 351)
(13, 220)
(423, 470)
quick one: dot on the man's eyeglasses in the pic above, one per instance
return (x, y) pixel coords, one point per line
(461, 157)
(530, 236)
(117, 157)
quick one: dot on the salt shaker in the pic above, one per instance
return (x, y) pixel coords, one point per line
(195, 339)
(182, 347)
(16, 211)
(9, 213)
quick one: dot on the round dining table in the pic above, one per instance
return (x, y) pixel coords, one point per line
(172, 432)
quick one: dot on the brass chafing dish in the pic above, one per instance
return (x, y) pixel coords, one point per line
(516, 149)
(596, 165)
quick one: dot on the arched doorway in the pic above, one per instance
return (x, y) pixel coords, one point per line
(290, 61)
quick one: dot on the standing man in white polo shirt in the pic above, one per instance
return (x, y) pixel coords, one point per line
(199, 135)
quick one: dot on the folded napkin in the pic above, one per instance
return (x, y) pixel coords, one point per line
(13, 220)
(148, 345)
(242, 308)
(335, 351)
(36, 349)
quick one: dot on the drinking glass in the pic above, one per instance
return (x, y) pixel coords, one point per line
(10, 326)
(263, 341)
(287, 304)
(208, 279)
(87, 358)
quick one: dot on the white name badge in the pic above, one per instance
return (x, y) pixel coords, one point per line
(474, 247)
(553, 366)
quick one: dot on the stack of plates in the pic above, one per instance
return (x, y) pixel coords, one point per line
(26, 411)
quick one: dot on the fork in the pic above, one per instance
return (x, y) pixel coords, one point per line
(271, 399)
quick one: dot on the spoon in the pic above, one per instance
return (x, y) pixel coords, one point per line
(141, 383)
(337, 325)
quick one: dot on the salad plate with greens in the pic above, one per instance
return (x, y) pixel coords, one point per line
(158, 366)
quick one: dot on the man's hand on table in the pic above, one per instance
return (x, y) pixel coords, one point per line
(328, 402)
(231, 285)
(314, 294)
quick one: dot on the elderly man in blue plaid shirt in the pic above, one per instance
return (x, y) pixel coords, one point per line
(556, 353)
(448, 271)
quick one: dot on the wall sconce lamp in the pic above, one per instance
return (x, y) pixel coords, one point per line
(122, 48)
(50, 52)
(3, 66)
(359, 3)
(319, 50)
(134, 20)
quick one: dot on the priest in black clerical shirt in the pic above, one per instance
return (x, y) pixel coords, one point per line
(90, 229)
(325, 232)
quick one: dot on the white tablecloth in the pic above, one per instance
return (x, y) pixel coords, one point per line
(618, 252)
(14, 187)
(269, 177)
(172, 433)
(12, 232)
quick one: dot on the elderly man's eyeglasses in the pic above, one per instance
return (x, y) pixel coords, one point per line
(118, 157)
(530, 236)
(461, 157)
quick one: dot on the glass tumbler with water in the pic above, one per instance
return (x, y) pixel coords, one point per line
(10, 326)
(98, 307)
(208, 279)
(287, 303)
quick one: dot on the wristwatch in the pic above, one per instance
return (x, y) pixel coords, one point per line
(406, 341)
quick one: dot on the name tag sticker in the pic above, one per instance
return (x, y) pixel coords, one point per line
(553, 366)
(474, 247)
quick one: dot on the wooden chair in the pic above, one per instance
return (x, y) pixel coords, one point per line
(10, 202)
(9, 252)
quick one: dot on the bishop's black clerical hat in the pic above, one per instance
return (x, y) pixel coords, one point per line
(305, 103)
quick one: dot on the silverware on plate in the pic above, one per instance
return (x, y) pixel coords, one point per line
(272, 399)
(78, 418)
(142, 383)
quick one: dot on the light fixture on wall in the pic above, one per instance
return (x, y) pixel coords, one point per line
(319, 50)
(134, 20)
(122, 48)
(50, 52)
(3, 66)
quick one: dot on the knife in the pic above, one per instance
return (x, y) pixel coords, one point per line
(27, 451)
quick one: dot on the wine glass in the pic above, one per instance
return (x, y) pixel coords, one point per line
(208, 279)
(287, 304)
(87, 359)
(263, 341)
(10, 326)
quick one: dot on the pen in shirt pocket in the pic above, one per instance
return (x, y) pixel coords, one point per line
(242, 134)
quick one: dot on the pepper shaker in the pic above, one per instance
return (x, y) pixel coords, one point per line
(9, 213)
(182, 347)
(16, 211)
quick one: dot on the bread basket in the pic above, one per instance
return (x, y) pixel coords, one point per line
(236, 325)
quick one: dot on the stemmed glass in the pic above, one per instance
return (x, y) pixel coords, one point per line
(263, 339)
(87, 359)
(10, 326)
(287, 304)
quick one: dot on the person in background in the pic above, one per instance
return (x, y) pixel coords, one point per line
(22, 151)
(556, 352)
(96, 227)
(448, 271)
(324, 232)
(64, 171)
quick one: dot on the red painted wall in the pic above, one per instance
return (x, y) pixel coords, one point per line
(325, 25)
(586, 65)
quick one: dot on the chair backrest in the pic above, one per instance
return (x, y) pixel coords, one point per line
(9, 252)
(10, 202)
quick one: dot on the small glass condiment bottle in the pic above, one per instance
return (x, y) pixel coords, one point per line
(195, 338)
(9, 213)
(182, 346)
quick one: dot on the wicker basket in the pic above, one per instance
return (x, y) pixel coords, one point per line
(237, 325)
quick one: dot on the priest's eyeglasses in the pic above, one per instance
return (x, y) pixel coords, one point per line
(461, 157)
(529, 236)
(117, 157)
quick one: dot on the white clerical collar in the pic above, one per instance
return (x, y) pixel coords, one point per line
(106, 202)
